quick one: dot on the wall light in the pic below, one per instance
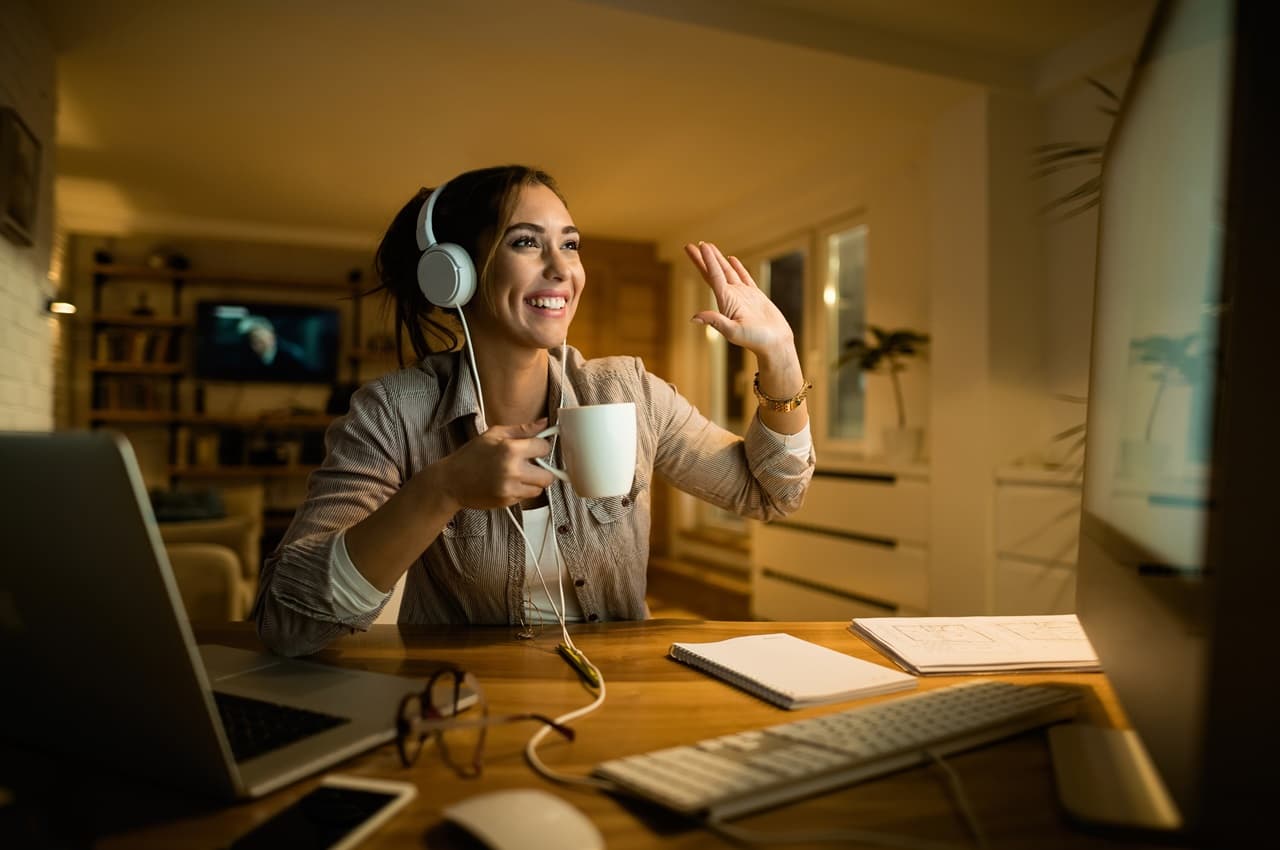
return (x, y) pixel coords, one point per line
(60, 308)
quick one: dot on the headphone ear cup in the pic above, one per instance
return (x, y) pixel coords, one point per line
(446, 275)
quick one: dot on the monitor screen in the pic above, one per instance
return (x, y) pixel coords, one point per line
(1163, 489)
(239, 341)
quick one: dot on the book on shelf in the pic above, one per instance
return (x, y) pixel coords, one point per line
(130, 345)
(791, 672)
(121, 392)
(981, 644)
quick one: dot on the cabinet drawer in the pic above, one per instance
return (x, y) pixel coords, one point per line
(1022, 587)
(1038, 523)
(893, 510)
(894, 575)
(777, 599)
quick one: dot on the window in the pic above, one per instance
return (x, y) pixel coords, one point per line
(845, 318)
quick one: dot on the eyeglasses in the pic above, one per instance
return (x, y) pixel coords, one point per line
(433, 714)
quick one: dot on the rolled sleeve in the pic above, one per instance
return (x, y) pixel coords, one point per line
(303, 601)
(763, 475)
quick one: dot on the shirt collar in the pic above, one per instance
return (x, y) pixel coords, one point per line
(459, 397)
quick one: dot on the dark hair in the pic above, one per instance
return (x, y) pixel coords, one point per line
(469, 213)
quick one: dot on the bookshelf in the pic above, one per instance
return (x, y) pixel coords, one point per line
(139, 362)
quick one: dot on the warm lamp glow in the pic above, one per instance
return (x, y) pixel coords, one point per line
(61, 308)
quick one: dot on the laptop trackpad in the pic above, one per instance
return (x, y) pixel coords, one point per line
(251, 672)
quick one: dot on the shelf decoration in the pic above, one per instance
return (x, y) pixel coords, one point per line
(19, 178)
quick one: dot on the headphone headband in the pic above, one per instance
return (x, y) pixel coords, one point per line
(426, 236)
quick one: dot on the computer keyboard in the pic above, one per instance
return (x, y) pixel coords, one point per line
(254, 726)
(747, 771)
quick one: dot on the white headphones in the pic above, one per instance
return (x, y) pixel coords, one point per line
(446, 274)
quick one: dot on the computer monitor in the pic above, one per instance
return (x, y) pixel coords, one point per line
(1177, 584)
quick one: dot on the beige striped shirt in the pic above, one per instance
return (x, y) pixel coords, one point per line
(474, 572)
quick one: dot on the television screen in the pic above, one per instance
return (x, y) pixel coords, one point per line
(266, 342)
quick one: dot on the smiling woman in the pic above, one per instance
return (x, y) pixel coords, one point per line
(431, 482)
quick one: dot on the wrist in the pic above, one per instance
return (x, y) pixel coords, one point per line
(780, 374)
(781, 360)
(780, 404)
(431, 493)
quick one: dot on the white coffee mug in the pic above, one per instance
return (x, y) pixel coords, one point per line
(598, 444)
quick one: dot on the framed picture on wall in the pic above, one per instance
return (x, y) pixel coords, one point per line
(19, 177)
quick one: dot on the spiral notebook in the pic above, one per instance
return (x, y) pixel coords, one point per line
(791, 672)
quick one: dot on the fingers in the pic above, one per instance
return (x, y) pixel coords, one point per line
(710, 262)
(695, 254)
(715, 266)
(718, 269)
(743, 274)
(717, 320)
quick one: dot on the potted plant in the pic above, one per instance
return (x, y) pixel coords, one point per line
(1067, 156)
(1176, 361)
(884, 351)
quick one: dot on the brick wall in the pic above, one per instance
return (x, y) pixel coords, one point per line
(29, 339)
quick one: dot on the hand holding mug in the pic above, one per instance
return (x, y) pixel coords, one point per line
(493, 471)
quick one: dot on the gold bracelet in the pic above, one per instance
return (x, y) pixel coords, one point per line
(781, 405)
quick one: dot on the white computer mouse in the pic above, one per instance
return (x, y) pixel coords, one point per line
(525, 819)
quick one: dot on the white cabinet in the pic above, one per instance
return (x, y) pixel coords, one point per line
(1037, 525)
(858, 547)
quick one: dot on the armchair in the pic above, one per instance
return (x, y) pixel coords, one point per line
(240, 532)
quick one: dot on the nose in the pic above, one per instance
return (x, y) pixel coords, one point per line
(557, 267)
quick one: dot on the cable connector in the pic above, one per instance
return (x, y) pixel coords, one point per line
(579, 662)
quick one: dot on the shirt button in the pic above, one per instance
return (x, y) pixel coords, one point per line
(591, 618)
(579, 582)
(449, 524)
(563, 529)
(626, 500)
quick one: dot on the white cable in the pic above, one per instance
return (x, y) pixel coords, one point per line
(475, 371)
(962, 799)
(531, 753)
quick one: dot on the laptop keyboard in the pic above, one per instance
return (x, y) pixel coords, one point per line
(255, 726)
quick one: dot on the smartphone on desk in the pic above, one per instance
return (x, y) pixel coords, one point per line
(336, 815)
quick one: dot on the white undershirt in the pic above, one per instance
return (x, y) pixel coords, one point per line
(537, 608)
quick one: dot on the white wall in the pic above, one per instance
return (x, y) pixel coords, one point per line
(29, 338)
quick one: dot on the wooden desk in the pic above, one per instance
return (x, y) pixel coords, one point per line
(652, 702)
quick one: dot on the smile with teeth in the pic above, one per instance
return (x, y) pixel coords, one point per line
(553, 303)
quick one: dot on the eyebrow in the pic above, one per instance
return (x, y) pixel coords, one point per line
(537, 228)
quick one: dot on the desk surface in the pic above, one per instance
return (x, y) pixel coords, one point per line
(652, 702)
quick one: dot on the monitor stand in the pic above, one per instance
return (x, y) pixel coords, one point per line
(1105, 778)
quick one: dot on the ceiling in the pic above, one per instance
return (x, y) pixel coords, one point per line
(317, 119)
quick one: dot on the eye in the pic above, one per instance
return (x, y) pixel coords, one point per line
(571, 245)
(524, 242)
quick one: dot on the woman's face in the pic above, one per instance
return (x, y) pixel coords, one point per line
(537, 274)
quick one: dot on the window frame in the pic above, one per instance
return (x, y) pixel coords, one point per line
(825, 350)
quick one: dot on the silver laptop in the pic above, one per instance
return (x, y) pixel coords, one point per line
(99, 659)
